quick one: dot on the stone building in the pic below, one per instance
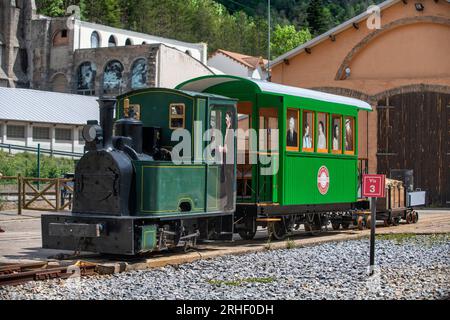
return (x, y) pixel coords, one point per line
(73, 56)
(402, 67)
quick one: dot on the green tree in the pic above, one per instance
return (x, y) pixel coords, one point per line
(51, 8)
(286, 38)
(318, 17)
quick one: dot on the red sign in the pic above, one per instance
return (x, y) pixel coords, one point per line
(323, 180)
(373, 185)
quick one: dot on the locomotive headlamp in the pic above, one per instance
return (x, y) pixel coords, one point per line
(92, 132)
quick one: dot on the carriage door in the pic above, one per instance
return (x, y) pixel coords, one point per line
(223, 118)
(267, 146)
(447, 165)
(244, 166)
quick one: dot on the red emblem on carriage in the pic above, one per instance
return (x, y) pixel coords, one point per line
(323, 180)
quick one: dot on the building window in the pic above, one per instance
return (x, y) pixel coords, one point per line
(139, 74)
(80, 136)
(176, 111)
(336, 130)
(1, 55)
(15, 132)
(112, 41)
(60, 38)
(308, 131)
(322, 132)
(112, 76)
(95, 40)
(292, 138)
(86, 78)
(128, 42)
(349, 135)
(63, 134)
(41, 133)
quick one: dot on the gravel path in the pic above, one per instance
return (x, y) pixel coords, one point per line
(415, 267)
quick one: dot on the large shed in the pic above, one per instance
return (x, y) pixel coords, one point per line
(401, 67)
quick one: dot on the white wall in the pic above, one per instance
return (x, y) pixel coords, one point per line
(228, 65)
(83, 32)
(176, 67)
(70, 146)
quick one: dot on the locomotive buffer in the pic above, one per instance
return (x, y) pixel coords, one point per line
(373, 187)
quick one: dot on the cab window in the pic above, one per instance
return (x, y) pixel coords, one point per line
(336, 134)
(322, 132)
(349, 135)
(177, 115)
(308, 131)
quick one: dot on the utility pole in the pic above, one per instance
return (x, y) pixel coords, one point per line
(268, 42)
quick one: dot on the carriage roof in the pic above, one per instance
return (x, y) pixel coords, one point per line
(202, 84)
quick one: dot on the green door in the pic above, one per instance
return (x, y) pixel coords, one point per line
(268, 148)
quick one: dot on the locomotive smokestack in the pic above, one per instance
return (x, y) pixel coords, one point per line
(106, 119)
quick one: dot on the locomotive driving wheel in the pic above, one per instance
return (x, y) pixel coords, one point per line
(387, 222)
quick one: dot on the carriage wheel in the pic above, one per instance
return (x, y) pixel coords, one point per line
(396, 221)
(368, 222)
(247, 234)
(387, 222)
(277, 230)
(415, 217)
(345, 225)
(335, 225)
(360, 223)
(409, 218)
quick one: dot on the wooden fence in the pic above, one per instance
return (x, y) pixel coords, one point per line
(42, 194)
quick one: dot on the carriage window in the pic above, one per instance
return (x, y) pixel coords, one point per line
(292, 140)
(349, 135)
(308, 131)
(176, 115)
(322, 132)
(336, 129)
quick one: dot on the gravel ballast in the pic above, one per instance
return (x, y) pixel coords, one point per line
(408, 267)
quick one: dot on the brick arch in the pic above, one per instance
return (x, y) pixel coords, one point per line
(411, 88)
(377, 33)
(59, 82)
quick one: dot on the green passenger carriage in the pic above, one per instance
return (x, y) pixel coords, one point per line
(317, 153)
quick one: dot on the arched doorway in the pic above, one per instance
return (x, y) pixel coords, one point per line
(414, 133)
(59, 83)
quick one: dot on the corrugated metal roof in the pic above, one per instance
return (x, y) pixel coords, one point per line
(47, 107)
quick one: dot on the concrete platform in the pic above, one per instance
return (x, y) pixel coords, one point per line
(21, 242)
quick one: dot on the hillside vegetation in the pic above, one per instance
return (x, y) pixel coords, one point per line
(235, 25)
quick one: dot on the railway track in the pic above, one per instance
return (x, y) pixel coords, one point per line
(15, 274)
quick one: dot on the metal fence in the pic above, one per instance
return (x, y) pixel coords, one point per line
(11, 147)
